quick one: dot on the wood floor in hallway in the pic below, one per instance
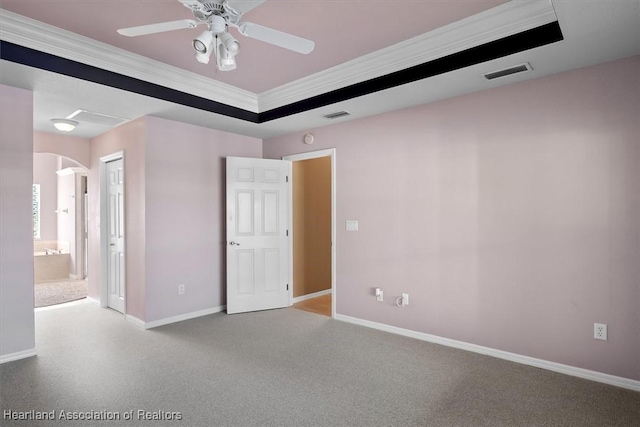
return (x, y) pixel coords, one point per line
(318, 305)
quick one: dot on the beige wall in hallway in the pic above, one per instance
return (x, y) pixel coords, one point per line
(311, 226)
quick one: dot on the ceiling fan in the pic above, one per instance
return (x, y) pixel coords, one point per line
(218, 16)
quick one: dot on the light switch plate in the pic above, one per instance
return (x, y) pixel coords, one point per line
(352, 225)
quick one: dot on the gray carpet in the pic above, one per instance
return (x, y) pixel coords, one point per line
(287, 368)
(59, 292)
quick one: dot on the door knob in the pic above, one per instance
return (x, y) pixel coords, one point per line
(234, 243)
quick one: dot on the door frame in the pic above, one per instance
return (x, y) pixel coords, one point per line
(80, 229)
(329, 152)
(104, 229)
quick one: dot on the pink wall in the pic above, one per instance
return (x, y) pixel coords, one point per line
(17, 328)
(185, 215)
(129, 138)
(44, 173)
(174, 214)
(72, 147)
(510, 216)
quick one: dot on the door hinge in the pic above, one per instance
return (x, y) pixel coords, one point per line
(287, 233)
(287, 286)
(287, 178)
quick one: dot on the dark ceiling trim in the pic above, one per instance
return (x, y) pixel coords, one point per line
(46, 61)
(520, 42)
(530, 39)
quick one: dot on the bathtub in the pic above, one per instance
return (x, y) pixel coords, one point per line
(48, 266)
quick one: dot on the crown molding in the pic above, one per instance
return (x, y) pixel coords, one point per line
(37, 35)
(502, 21)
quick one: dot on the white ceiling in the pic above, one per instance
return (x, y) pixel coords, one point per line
(594, 32)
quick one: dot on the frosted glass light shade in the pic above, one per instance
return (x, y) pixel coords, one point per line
(64, 125)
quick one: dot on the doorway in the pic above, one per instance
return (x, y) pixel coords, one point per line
(314, 231)
(59, 186)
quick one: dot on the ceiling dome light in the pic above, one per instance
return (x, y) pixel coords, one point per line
(64, 125)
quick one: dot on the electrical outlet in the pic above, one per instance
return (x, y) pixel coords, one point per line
(379, 295)
(405, 299)
(600, 331)
(181, 289)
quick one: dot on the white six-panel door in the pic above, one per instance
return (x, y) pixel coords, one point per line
(257, 236)
(115, 213)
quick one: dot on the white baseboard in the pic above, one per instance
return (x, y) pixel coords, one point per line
(135, 321)
(313, 295)
(18, 355)
(174, 319)
(513, 357)
(73, 276)
(93, 301)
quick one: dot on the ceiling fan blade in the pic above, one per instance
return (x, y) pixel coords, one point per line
(193, 5)
(158, 28)
(190, 3)
(244, 6)
(275, 37)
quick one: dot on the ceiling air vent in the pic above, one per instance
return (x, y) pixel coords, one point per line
(336, 115)
(96, 118)
(508, 71)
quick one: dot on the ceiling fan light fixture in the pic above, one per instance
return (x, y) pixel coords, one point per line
(64, 125)
(219, 16)
(225, 60)
(230, 43)
(203, 58)
(228, 64)
(203, 43)
(217, 24)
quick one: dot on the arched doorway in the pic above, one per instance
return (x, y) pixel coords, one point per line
(60, 230)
